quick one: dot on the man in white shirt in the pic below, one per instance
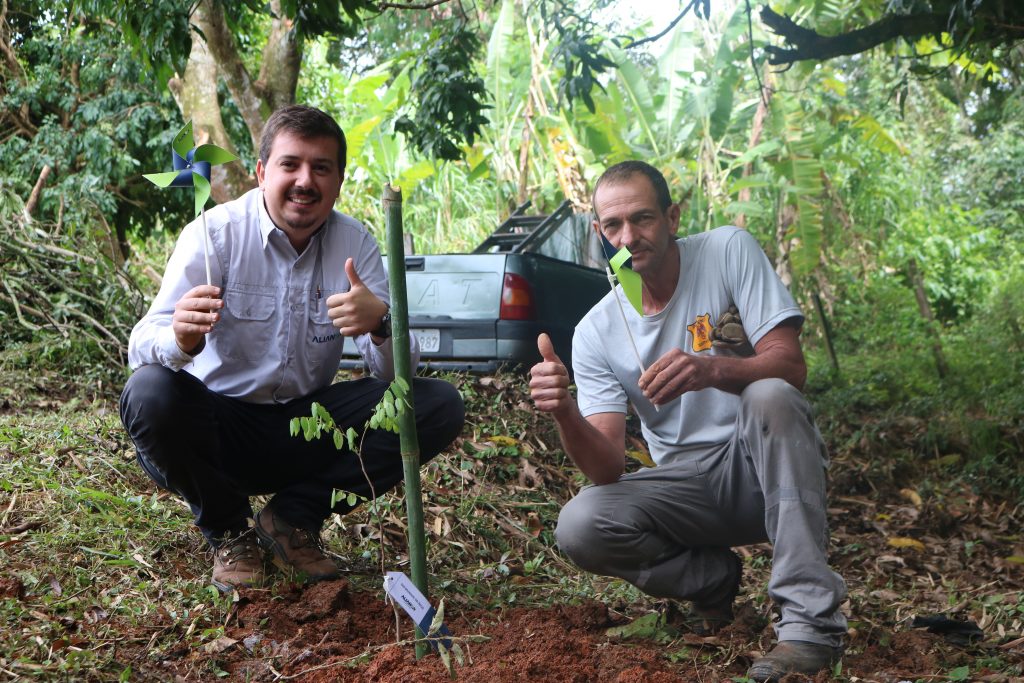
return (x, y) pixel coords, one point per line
(221, 369)
(739, 459)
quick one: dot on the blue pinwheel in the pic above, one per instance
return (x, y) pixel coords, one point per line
(192, 167)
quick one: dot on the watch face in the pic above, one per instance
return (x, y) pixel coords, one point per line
(384, 329)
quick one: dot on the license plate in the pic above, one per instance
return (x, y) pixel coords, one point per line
(429, 339)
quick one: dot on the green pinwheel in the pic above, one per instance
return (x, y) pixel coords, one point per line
(192, 167)
(620, 267)
(621, 263)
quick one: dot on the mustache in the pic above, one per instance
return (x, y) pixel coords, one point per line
(304, 194)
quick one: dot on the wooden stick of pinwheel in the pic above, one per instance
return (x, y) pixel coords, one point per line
(620, 269)
(192, 169)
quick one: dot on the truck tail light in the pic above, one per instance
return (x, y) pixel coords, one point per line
(517, 299)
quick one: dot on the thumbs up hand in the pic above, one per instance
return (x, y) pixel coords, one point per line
(549, 380)
(358, 310)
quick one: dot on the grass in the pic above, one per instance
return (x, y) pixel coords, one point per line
(96, 549)
(96, 559)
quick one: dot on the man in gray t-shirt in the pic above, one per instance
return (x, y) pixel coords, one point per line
(739, 459)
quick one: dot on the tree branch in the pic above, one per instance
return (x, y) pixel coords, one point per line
(651, 39)
(423, 5)
(33, 198)
(807, 44)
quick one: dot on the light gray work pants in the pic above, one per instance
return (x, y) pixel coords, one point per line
(668, 529)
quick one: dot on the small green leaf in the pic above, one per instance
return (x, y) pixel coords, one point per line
(293, 426)
(438, 620)
(351, 435)
(339, 440)
(644, 627)
(961, 673)
(446, 659)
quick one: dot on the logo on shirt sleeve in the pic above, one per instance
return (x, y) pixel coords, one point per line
(701, 331)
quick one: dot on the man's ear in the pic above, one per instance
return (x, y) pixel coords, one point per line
(673, 213)
(259, 171)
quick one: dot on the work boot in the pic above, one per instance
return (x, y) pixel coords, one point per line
(793, 656)
(237, 561)
(294, 550)
(707, 617)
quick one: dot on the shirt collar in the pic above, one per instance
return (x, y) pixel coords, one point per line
(266, 223)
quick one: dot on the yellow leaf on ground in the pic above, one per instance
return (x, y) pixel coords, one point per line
(1016, 559)
(903, 542)
(503, 441)
(912, 496)
(641, 457)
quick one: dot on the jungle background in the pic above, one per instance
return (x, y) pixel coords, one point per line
(882, 171)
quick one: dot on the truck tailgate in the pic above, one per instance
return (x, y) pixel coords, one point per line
(454, 303)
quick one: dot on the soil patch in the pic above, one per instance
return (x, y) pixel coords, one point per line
(328, 632)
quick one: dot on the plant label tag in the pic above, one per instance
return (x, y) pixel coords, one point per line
(403, 591)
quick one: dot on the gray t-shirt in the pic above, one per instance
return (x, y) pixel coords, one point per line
(717, 268)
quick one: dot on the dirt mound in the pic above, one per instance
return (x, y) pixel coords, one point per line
(327, 632)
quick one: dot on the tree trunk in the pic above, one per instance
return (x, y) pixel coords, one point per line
(827, 330)
(33, 199)
(221, 46)
(282, 59)
(926, 312)
(196, 94)
(755, 139)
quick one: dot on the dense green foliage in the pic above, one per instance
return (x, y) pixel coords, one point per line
(865, 184)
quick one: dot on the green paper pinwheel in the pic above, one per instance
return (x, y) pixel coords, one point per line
(621, 262)
(192, 167)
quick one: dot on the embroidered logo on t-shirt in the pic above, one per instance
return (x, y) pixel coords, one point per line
(701, 331)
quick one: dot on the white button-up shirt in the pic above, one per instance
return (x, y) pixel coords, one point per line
(274, 341)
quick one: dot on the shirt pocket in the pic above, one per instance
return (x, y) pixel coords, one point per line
(324, 339)
(247, 330)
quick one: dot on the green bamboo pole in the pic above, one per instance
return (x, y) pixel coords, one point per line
(406, 418)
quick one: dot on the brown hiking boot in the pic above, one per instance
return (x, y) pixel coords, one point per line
(237, 561)
(295, 550)
(793, 656)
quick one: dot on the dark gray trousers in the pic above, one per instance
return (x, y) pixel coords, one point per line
(215, 451)
(668, 530)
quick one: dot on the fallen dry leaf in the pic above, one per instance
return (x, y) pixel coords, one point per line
(904, 542)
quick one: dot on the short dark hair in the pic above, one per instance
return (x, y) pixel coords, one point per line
(306, 122)
(624, 170)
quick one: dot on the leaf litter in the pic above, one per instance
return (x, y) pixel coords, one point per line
(115, 583)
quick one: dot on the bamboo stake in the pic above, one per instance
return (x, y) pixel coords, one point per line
(408, 438)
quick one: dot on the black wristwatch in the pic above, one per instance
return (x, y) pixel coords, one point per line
(384, 329)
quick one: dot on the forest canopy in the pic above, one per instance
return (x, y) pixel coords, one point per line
(883, 175)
